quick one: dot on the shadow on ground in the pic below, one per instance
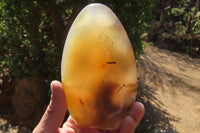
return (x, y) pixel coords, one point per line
(169, 77)
(156, 118)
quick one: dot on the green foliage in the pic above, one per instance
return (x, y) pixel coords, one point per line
(196, 27)
(177, 16)
(27, 36)
(177, 11)
(32, 33)
(180, 29)
(178, 24)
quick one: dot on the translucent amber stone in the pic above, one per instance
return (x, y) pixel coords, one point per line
(98, 69)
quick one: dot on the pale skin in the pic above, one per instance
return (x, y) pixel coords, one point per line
(53, 117)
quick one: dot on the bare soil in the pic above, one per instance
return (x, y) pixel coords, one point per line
(169, 87)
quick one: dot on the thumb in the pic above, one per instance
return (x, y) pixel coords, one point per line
(132, 120)
(55, 112)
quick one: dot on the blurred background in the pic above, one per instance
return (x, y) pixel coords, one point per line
(165, 35)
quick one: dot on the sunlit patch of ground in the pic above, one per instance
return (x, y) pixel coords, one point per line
(170, 90)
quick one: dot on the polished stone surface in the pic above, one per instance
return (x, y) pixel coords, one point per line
(98, 69)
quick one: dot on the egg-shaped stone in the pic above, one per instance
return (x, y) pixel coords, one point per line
(98, 69)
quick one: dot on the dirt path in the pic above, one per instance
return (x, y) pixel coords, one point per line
(170, 90)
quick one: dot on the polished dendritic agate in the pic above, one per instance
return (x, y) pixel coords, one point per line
(98, 69)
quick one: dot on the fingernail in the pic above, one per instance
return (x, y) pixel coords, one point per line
(52, 83)
(52, 88)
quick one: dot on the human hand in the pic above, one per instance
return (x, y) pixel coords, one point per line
(55, 113)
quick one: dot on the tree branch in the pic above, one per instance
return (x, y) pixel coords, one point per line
(59, 24)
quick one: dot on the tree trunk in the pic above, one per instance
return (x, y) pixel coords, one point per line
(189, 24)
(162, 18)
(62, 30)
(197, 5)
(59, 24)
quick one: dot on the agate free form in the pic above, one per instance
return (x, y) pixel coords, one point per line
(98, 69)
